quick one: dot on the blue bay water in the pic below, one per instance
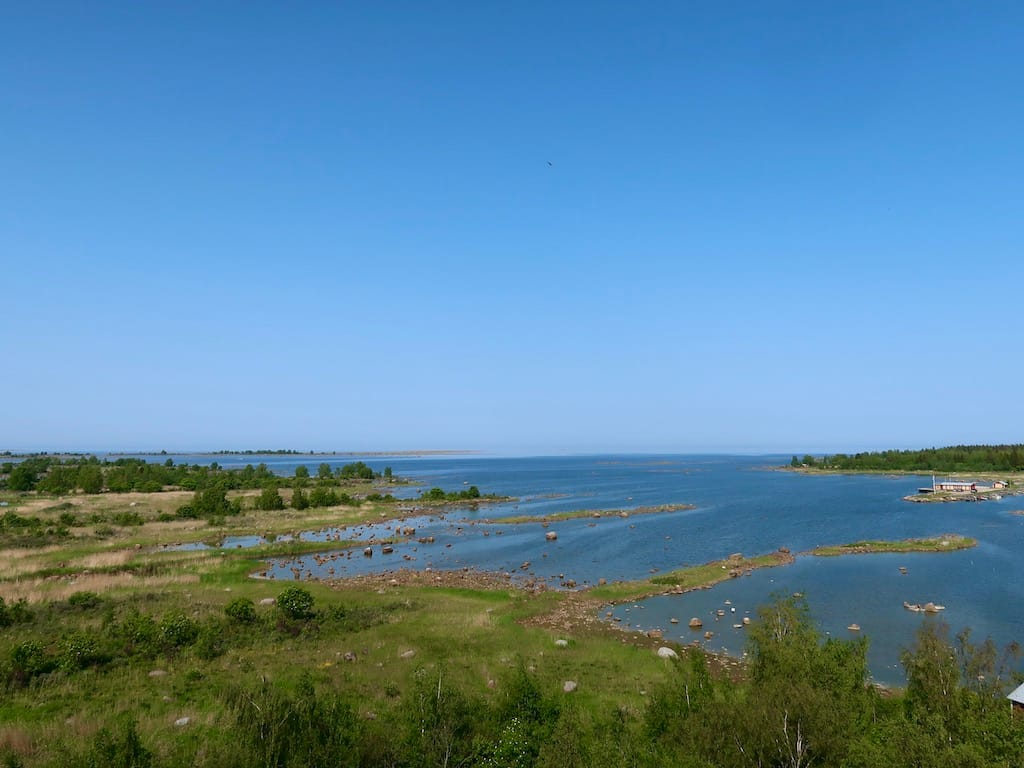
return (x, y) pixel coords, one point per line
(741, 506)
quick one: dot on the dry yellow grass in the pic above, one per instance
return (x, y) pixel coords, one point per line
(40, 590)
(104, 559)
(19, 553)
(15, 740)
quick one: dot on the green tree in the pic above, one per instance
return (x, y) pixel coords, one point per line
(60, 479)
(322, 496)
(22, 478)
(324, 471)
(808, 697)
(209, 502)
(299, 499)
(296, 603)
(90, 478)
(269, 499)
(241, 610)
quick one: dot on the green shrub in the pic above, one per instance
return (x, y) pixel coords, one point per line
(269, 499)
(323, 497)
(296, 603)
(121, 748)
(211, 642)
(241, 610)
(128, 519)
(85, 600)
(18, 613)
(177, 630)
(79, 650)
(139, 634)
(27, 660)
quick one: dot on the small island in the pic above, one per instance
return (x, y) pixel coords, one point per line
(576, 514)
(948, 543)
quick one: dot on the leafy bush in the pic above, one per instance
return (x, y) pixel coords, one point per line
(269, 499)
(128, 518)
(18, 613)
(139, 634)
(177, 630)
(121, 748)
(85, 600)
(241, 610)
(322, 496)
(296, 603)
(356, 471)
(27, 660)
(79, 650)
(211, 642)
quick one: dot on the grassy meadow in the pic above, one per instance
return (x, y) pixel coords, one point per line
(119, 649)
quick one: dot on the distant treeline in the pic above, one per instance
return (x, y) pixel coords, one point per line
(51, 474)
(956, 458)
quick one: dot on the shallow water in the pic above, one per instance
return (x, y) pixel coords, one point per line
(740, 507)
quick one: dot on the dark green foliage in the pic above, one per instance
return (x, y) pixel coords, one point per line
(269, 499)
(128, 519)
(211, 641)
(117, 748)
(438, 494)
(177, 630)
(525, 717)
(302, 471)
(299, 499)
(137, 634)
(309, 729)
(324, 471)
(91, 475)
(90, 478)
(356, 471)
(241, 610)
(568, 744)
(28, 659)
(323, 496)
(211, 502)
(440, 721)
(388, 474)
(24, 531)
(681, 700)
(79, 650)
(59, 480)
(296, 603)
(21, 478)
(85, 600)
(957, 458)
(17, 613)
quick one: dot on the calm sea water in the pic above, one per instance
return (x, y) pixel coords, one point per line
(741, 506)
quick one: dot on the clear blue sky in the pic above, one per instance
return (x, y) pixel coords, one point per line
(516, 227)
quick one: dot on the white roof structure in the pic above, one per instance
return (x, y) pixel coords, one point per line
(1017, 695)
